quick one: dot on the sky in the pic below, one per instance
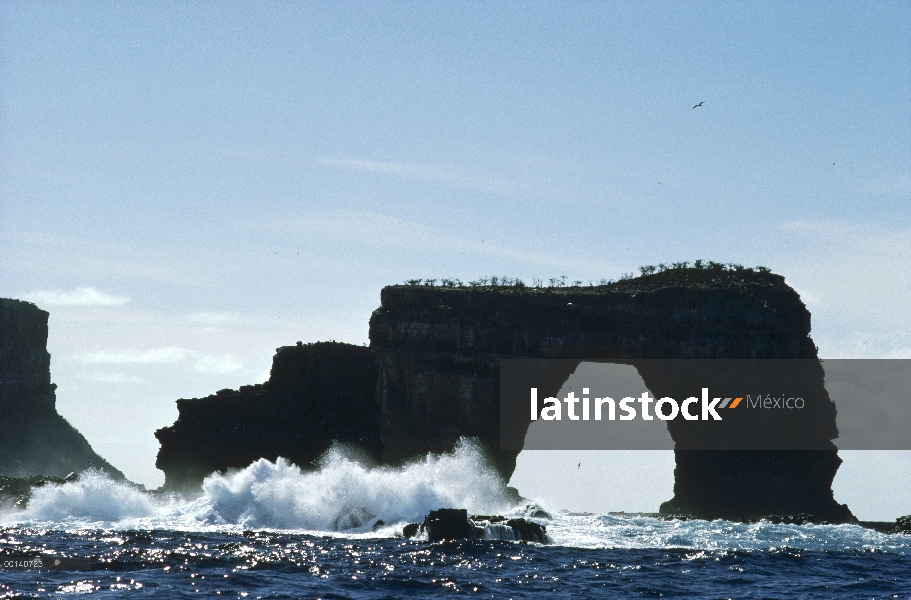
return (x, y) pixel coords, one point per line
(186, 186)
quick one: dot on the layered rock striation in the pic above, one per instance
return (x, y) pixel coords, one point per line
(317, 394)
(34, 439)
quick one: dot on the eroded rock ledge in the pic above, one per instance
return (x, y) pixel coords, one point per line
(316, 394)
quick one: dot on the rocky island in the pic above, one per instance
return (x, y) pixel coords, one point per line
(431, 376)
(35, 440)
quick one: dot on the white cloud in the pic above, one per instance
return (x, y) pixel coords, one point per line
(809, 298)
(214, 365)
(387, 232)
(167, 355)
(205, 363)
(854, 277)
(213, 319)
(84, 296)
(116, 378)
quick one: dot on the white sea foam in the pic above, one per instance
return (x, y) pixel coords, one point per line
(344, 497)
(343, 494)
(632, 531)
(93, 497)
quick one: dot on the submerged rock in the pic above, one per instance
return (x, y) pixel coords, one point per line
(16, 491)
(801, 519)
(902, 525)
(528, 531)
(449, 524)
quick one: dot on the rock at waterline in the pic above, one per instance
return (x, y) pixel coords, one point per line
(454, 524)
(528, 531)
(449, 524)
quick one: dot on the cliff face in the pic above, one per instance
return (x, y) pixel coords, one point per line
(34, 439)
(316, 394)
(438, 350)
(431, 376)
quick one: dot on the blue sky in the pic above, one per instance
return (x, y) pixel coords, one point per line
(186, 186)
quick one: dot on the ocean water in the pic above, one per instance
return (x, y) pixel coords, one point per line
(270, 531)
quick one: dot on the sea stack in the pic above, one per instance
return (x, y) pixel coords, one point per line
(438, 351)
(316, 395)
(34, 439)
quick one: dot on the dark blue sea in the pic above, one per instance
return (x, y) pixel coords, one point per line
(271, 531)
(265, 564)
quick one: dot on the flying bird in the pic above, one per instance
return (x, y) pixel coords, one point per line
(579, 466)
(700, 104)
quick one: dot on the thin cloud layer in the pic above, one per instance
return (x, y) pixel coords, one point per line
(428, 172)
(83, 296)
(213, 319)
(211, 365)
(218, 365)
(127, 356)
(116, 378)
(379, 230)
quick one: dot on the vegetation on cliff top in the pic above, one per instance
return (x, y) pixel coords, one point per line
(682, 274)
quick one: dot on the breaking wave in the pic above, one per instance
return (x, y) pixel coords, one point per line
(341, 495)
(344, 497)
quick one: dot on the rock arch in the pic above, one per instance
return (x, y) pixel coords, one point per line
(438, 352)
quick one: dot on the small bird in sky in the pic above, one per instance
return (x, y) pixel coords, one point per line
(700, 104)
(579, 466)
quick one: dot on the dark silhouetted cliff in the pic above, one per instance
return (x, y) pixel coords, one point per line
(34, 439)
(438, 350)
(431, 376)
(316, 394)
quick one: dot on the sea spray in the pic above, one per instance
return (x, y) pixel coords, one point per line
(631, 531)
(92, 497)
(341, 495)
(346, 497)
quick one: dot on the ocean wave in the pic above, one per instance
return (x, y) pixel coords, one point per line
(619, 531)
(341, 495)
(344, 497)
